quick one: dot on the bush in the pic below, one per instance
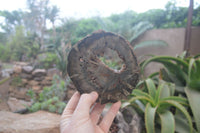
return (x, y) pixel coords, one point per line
(49, 61)
(50, 99)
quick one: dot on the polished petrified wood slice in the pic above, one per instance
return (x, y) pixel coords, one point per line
(89, 73)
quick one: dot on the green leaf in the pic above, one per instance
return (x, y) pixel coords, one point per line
(137, 92)
(150, 113)
(153, 75)
(194, 74)
(150, 43)
(181, 108)
(158, 92)
(164, 58)
(141, 98)
(194, 101)
(151, 88)
(181, 125)
(167, 122)
(165, 91)
(180, 100)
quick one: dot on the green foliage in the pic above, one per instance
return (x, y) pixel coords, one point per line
(184, 72)
(85, 27)
(111, 63)
(158, 101)
(49, 61)
(16, 81)
(50, 98)
(20, 46)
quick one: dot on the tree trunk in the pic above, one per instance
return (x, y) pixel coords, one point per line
(188, 29)
(89, 73)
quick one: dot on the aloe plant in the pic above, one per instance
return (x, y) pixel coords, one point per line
(158, 101)
(185, 73)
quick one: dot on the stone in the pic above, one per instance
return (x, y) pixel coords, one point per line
(19, 93)
(6, 72)
(17, 105)
(27, 69)
(53, 71)
(39, 78)
(24, 81)
(38, 122)
(46, 82)
(21, 63)
(49, 78)
(36, 88)
(17, 69)
(33, 83)
(26, 76)
(39, 72)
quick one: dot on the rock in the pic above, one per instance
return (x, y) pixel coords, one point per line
(17, 69)
(6, 72)
(21, 63)
(36, 88)
(53, 71)
(27, 69)
(38, 122)
(26, 76)
(19, 93)
(39, 72)
(46, 83)
(39, 78)
(16, 104)
(49, 78)
(24, 81)
(33, 83)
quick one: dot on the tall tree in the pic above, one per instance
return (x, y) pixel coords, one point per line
(37, 17)
(52, 14)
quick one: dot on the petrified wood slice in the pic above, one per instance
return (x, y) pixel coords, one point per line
(89, 73)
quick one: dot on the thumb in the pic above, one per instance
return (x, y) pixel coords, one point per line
(85, 103)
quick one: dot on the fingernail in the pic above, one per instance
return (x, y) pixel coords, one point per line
(94, 94)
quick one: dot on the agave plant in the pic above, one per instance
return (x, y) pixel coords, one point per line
(185, 73)
(157, 103)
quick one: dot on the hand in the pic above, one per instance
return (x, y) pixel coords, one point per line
(80, 116)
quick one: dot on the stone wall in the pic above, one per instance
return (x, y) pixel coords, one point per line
(23, 78)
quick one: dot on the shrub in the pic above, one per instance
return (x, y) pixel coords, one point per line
(184, 72)
(50, 98)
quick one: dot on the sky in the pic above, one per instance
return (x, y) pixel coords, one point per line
(88, 8)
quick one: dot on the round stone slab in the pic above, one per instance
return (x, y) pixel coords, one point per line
(89, 73)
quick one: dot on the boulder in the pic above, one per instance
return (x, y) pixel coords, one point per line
(19, 93)
(36, 88)
(39, 78)
(38, 122)
(26, 76)
(17, 69)
(33, 83)
(27, 69)
(46, 82)
(16, 105)
(24, 81)
(21, 63)
(6, 72)
(39, 72)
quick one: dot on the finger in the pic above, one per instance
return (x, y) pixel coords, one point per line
(109, 117)
(96, 112)
(85, 102)
(71, 106)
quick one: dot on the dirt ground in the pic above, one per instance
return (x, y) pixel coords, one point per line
(4, 88)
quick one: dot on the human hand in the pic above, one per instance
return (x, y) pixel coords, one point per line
(80, 116)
